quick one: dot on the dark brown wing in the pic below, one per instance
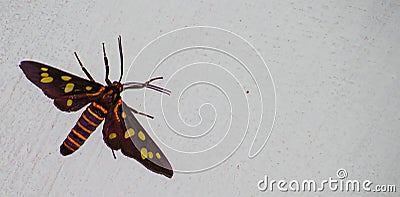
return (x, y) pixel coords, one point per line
(70, 92)
(123, 131)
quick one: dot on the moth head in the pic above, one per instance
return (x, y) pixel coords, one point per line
(118, 85)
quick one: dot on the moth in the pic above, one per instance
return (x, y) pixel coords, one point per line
(121, 130)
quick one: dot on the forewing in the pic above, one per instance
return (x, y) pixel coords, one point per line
(133, 140)
(70, 92)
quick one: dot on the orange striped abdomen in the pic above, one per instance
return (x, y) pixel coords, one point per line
(87, 123)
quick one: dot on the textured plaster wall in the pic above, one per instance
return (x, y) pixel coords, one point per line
(334, 69)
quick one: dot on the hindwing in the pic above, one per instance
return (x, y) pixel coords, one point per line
(123, 131)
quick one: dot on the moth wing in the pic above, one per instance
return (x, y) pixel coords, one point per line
(133, 140)
(70, 92)
(71, 103)
(113, 129)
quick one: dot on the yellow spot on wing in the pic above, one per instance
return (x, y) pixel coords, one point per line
(88, 88)
(128, 133)
(66, 78)
(141, 136)
(44, 69)
(143, 152)
(123, 114)
(158, 155)
(150, 155)
(69, 87)
(44, 74)
(69, 102)
(112, 136)
(47, 80)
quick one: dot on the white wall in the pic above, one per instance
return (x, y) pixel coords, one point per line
(335, 67)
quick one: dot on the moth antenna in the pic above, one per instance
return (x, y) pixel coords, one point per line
(121, 57)
(106, 65)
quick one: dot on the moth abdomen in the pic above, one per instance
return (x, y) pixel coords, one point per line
(86, 124)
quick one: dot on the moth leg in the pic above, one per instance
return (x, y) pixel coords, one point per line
(141, 113)
(156, 88)
(139, 85)
(106, 65)
(153, 79)
(83, 68)
(113, 154)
